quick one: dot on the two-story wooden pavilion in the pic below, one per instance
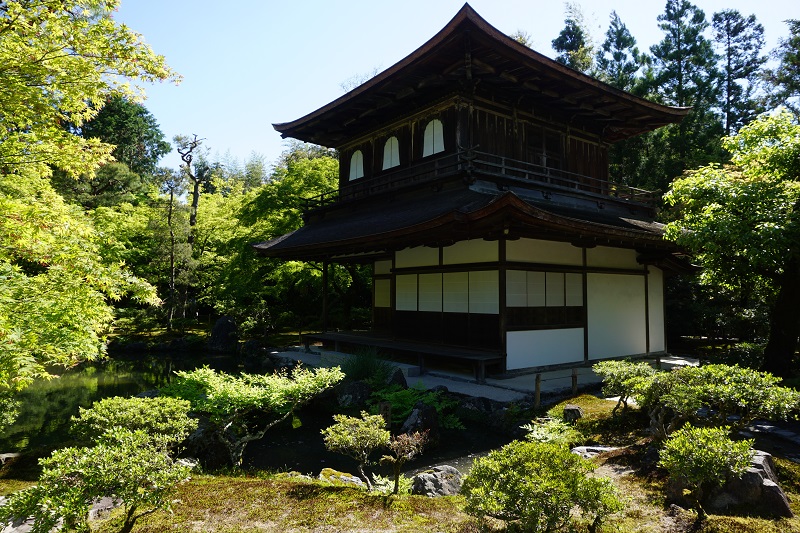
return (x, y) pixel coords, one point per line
(474, 179)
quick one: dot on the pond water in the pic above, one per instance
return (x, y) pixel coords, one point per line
(48, 405)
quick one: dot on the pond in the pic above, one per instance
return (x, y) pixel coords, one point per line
(48, 405)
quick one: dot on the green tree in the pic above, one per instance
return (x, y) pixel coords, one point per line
(684, 75)
(740, 40)
(619, 61)
(125, 466)
(741, 224)
(44, 47)
(784, 79)
(574, 43)
(55, 288)
(357, 438)
(243, 408)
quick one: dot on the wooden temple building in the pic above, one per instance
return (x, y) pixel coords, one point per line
(474, 179)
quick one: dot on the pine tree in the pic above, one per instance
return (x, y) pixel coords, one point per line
(740, 40)
(784, 80)
(619, 61)
(573, 44)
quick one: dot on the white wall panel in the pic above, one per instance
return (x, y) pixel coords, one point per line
(484, 292)
(604, 256)
(538, 251)
(383, 267)
(383, 293)
(406, 286)
(474, 251)
(456, 292)
(616, 309)
(430, 292)
(415, 257)
(655, 296)
(544, 347)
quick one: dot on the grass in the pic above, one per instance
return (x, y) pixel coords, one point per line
(240, 503)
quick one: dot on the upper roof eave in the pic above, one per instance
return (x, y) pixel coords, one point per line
(467, 16)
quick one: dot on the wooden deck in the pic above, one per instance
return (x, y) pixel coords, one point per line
(478, 360)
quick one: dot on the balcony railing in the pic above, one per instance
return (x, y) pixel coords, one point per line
(501, 169)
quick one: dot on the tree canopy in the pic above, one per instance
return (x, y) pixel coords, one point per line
(741, 222)
(56, 286)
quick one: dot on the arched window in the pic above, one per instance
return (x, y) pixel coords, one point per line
(391, 153)
(356, 165)
(433, 140)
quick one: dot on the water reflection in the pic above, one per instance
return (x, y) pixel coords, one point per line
(48, 405)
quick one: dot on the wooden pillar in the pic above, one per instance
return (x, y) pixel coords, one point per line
(646, 310)
(502, 282)
(585, 308)
(325, 296)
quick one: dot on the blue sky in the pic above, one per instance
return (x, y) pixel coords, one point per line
(248, 64)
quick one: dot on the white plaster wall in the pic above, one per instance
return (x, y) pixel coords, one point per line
(474, 251)
(415, 257)
(430, 292)
(544, 347)
(383, 267)
(456, 292)
(604, 256)
(616, 321)
(538, 251)
(655, 297)
(406, 286)
(383, 293)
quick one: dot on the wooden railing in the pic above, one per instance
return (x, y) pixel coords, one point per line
(510, 171)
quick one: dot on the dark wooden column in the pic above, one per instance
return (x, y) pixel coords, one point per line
(325, 296)
(503, 300)
(646, 310)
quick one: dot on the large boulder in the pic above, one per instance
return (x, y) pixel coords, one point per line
(204, 445)
(757, 487)
(442, 480)
(353, 394)
(397, 378)
(423, 417)
(224, 336)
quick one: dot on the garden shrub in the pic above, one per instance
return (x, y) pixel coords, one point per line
(357, 438)
(621, 378)
(368, 365)
(537, 485)
(711, 395)
(123, 465)
(403, 448)
(243, 407)
(404, 400)
(704, 458)
(164, 419)
(552, 430)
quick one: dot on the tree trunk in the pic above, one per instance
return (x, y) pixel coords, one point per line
(171, 310)
(784, 321)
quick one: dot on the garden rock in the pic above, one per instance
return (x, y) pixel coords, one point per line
(423, 417)
(442, 480)
(757, 487)
(397, 378)
(204, 444)
(587, 452)
(335, 477)
(353, 394)
(224, 336)
(572, 413)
